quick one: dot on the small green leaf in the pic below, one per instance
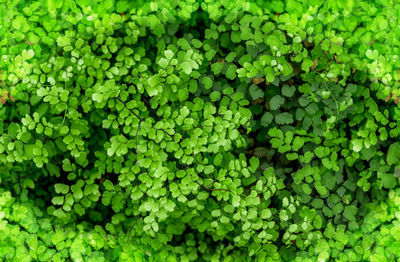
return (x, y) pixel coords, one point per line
(231, 72)
(288, 91)
(215, 96)
(255, 92)
(357, 145)
(63, 41)
(224, 220)
(13, 129)
(298, 143)
(169, 54)
(235, 200)
(283, 215)
(284, 118)
(292, 228)
(321, 189)
(217, 68)
(266, 213)
(163, 63)
(26, 55)
(276, 102)
(61, 188)
(58, 200)
(229, 58)
(373, 55)
(266, 119)
(307, 63)
(393, 155)
(275, 132)
(254, 163)
(207, 82)
(350, 212)
(186, 67)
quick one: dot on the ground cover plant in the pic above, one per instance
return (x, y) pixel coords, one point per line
(199, 130)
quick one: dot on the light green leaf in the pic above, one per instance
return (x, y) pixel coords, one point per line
(254, 163)
(266, 213)
(58, 200)
(307, 63)
(163, 63)
(231, 72)
(61, 188)
(207, 82)
(169, 54)
(357, 145)
(186, 67)
(26, 55)
(373, 55)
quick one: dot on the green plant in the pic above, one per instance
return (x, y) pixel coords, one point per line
(199, 131)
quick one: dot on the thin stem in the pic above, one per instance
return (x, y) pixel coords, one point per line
(138, 117)
(130, 230)
(137, 132)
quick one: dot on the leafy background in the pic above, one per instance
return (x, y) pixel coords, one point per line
(199, 131)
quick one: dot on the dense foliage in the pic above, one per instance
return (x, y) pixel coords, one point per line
(199, 130)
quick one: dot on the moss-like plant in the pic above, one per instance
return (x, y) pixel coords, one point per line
(199, 131)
